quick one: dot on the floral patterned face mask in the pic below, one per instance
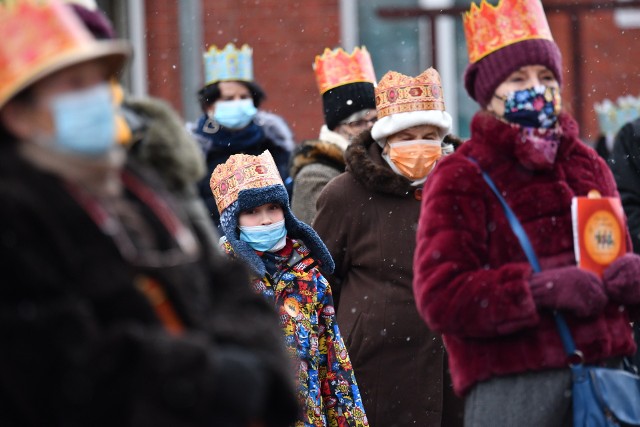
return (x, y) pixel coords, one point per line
(536, 107)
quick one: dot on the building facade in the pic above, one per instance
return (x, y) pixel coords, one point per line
(169, 36)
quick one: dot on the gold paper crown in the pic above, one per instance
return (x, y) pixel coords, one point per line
(397, 93)
(40, 37)
(336, 68)
(488, 28)
(242, 172)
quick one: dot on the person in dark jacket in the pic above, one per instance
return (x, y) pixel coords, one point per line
(346, 83)
(625, 164)
(231, 122)
(473, 282)
(367, 217)
(113, 309)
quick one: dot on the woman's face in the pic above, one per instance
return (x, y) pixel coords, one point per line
(524, 78)
(266, 214)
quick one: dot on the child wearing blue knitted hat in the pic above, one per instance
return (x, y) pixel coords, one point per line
(286, 256)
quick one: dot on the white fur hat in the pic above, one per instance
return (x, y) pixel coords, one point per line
(404, 102)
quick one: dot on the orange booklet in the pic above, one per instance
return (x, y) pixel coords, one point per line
(599, 231)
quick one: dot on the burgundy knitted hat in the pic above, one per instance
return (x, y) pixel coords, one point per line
(483, 77)
(95, 21)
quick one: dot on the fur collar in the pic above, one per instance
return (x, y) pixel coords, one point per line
(317, 151)
(333, 137)
(165, 144)
(365, 163)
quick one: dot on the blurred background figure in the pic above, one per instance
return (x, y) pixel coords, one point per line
(154, 135)
(625, 164)
(346, 83)
(114, 310)
(231, 122)
(367, 217)
(611, 118)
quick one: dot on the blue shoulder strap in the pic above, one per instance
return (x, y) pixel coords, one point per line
(523, 238)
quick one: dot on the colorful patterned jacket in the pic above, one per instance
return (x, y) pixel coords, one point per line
(326, 385)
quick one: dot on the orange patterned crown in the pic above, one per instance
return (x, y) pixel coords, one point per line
(397, 93)
(40, 37)
(242, 172)
(336, 68)
(488, 28)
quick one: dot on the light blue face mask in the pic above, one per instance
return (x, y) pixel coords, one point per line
(235, 114)
(263, 237)
(84, 121)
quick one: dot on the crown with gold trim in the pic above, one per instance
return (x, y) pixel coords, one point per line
(488, 28)
(40, 37)
(242, 172)
(227, 64)
(397, 93)
(336, 68)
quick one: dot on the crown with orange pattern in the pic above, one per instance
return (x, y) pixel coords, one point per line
(489, 28)
(40, 37)
(336, 68)
(397, 93)
(242, 172)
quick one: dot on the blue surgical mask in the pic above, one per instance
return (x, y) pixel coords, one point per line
(536, 107)
(84, 121)
(235, 114)
(264, 237)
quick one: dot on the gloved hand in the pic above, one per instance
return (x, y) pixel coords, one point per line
(622, 279)
(569, 288)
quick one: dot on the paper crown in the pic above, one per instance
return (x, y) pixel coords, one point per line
(488, 28)
(41, 37)
(228, 64)
(242, 172)
(612, 116)
(397, 93)
(336, 68)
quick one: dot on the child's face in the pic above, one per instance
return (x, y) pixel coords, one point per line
(262, 215)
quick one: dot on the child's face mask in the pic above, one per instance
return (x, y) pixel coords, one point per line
(263, 238)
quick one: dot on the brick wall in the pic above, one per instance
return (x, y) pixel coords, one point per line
(285, 36)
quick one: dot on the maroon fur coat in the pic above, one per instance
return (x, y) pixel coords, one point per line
(471, 277)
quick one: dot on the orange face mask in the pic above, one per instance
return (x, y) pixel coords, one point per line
(413, 159)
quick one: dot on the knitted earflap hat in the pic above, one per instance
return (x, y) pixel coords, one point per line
(503, 38)
(244, 182)
(346, 83)
(404, 102)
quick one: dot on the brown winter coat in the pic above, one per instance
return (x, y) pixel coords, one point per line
(367, 217)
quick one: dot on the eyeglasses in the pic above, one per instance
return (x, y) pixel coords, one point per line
(362, 122)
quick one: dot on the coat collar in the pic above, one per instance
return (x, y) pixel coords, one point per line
(494, 139)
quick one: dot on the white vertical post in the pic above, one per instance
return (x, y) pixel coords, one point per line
(190, 19)
(446, 56)
(137, 29)
(349, 24)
